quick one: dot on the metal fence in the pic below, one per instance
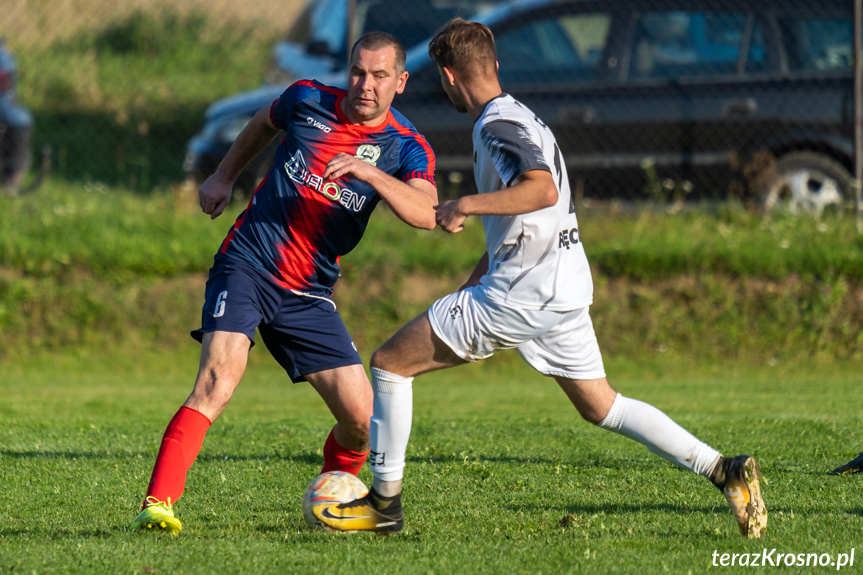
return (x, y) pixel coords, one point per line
(671, 99)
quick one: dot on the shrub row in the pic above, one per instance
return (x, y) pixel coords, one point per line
(85, 267)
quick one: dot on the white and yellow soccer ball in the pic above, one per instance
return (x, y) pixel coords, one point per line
(330, 488)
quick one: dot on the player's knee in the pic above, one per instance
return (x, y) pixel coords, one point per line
(379, 359)
(214, 390)
(357, 429)
(591, 417)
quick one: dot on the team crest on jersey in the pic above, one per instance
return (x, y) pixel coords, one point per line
(298, 172)
(369, 153)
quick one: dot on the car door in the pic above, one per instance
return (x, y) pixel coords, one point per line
(814, 88)
(644, 97)
(702, 73)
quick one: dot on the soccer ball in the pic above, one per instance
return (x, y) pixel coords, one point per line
(330, 488)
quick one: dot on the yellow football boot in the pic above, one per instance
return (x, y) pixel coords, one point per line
(738, 479)
(373, 512)
(157, 515)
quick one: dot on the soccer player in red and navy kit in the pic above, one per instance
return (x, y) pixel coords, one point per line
(343, 152)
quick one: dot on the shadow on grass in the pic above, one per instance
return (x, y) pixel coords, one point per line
(617, 508)
(64, 534)
(304, 457)
(575, 462)
(68, 455)
(310, 457)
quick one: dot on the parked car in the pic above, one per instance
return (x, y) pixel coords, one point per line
(317, 45)
(16, 125)
(318, 41)
(709, 97)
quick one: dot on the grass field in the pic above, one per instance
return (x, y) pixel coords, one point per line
(746, 331)
(502, 476)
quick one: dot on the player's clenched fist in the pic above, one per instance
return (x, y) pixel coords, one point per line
(449, 217)
(214, 195)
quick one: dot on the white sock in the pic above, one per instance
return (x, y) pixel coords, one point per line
(660, 434)
(390, 425)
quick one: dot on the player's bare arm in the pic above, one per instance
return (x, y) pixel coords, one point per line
(413, 202)
(215, 193)
(533, 191)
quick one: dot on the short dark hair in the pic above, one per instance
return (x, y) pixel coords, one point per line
(465, 47)
(379, 40)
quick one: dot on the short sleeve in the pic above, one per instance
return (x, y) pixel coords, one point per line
(512, 148)
(417, 160)
(282, 108)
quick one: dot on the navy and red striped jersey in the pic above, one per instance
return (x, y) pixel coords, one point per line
(297, 224)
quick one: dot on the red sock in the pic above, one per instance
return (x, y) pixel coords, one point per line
(337, 458)
(180, 446)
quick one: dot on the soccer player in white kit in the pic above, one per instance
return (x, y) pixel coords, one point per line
(531, 291)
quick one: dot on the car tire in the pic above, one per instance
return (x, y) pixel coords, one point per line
(807, 182)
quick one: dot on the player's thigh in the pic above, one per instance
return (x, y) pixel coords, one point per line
(223, 361)
(224, 353)
(415, 349)
(569, 349)
(475, 327)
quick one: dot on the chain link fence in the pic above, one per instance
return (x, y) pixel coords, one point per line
(649, 99)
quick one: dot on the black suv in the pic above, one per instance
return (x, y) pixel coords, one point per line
(705, 97)
(16, 124)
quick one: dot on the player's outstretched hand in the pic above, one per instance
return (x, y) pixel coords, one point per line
(449, 217)
(214, 195)
(343, 164)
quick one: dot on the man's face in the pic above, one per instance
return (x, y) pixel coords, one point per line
(454, 96)
(373, 82)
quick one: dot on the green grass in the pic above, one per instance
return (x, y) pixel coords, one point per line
(497, 459)
(108, 231)
(89, 267)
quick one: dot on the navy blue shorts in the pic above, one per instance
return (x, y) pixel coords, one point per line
(304, 333)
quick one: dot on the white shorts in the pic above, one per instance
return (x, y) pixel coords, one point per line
(552, 342)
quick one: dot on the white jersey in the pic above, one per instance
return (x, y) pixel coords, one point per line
(536, 260)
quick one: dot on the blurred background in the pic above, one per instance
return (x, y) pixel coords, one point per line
(649, 99)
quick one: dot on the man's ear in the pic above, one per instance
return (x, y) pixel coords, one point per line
(451, 75)
(402, 82)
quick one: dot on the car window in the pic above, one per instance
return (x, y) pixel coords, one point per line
(756, 59)
(414, 21)
(560, 49)
(676, 44)
(818, 44)
(325, 21)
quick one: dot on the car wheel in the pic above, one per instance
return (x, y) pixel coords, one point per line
(806, 182)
